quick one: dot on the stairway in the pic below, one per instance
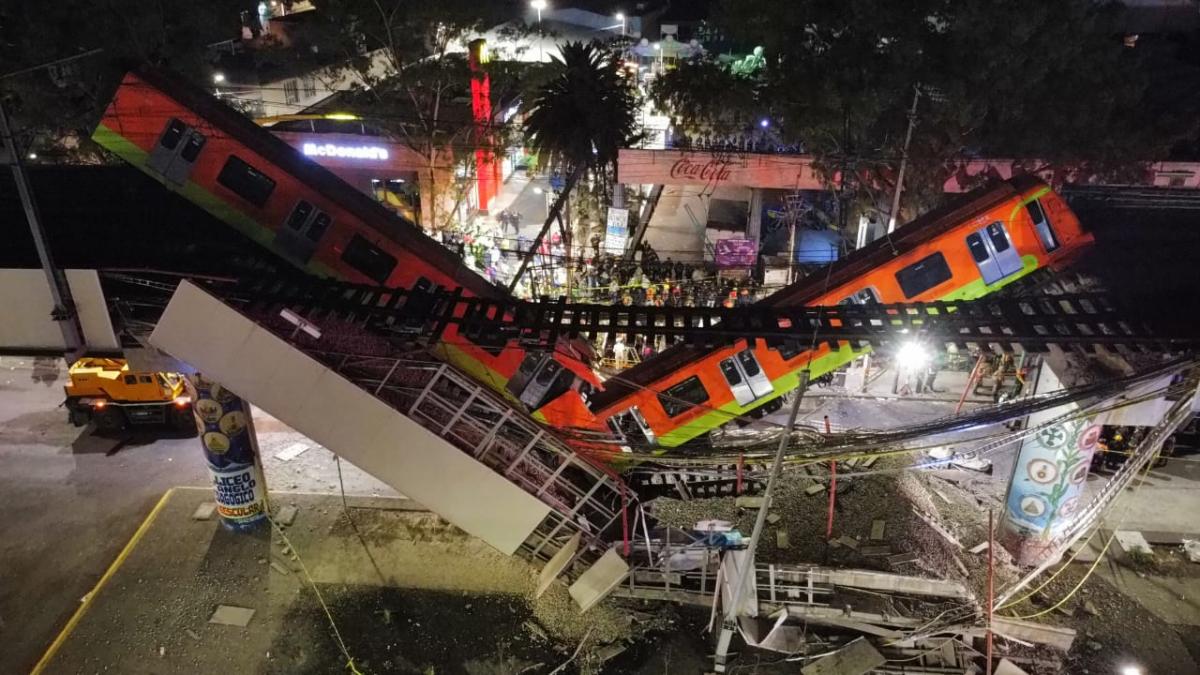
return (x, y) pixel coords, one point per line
(418, 425)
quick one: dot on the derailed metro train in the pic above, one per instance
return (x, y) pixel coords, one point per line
(239, 172)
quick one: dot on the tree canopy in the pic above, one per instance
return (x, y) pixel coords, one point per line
(1006, 78)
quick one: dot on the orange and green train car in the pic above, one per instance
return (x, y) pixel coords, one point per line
(222, 161)
(980, 243)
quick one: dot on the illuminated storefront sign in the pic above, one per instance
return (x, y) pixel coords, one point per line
(372, 152)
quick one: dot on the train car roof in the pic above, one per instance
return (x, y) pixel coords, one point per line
(261, 141)
(904, 239)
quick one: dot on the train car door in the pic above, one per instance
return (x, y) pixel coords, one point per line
(542, 380)
(174, 155)
(737, 382)
(297, 238)
(994, 253)
(759, 383)
(525, 372)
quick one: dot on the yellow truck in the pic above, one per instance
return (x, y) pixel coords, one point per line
(108, 393)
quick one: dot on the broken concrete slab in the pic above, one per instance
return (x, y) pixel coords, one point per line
(749, 502)
(877, 527)
(774, 518)
(856, 658)
(1029, 631)
(280, 568)
(782, 540)
(204, 511)
(286, 515)
(292, 452)
(979, 548)
(1006, 667)
(875, 551)
(849, 542)
(230, 615)
(557, 563)
(814, 489)
(598, 580)
(902, 558)
(1131, 540)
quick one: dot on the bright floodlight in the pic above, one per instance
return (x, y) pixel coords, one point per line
(620, 16)
(539, 5)
(218, 77)
(1131, 670)
(912, 356)
(764, 123)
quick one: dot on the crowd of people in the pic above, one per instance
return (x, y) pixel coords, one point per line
(495, 250)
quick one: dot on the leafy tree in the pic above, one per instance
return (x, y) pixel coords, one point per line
(578, 120)
(57, 106)
(410, 77)
(999, 78)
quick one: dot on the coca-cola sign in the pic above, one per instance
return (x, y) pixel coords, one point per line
(712, 171)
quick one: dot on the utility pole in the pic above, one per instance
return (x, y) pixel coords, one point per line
(60, 292)
(912, 122)
(729, 626)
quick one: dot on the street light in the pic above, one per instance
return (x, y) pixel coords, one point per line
(539, 5)
(621, 18)
(218, 78)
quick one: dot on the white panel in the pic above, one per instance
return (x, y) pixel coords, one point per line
(332, 411)
(599, 580)
(25, 297)
(199, 329)
(93, 310)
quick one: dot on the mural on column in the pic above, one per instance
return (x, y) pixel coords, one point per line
(227, 434)
(1047, 485)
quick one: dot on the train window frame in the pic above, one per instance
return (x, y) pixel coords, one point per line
(998, 227)
(1042, 226)
(856, 298)
(300, 214)
(242, 179)
(318, 227)
(353, 253)
(987, 254)
(191, 142)
(924, 275)
(173, 125)
(678, 398)
(736, 372)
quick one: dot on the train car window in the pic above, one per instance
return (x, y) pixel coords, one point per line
(145, 379)
(191, 149)
(923, 275)
(731, 373)
(369, 259)
(866, 296)
(1041, 225)
(789, 350)
(979, 250)
(998, 236)
(247, 182)
(749, 363)
(131, 379)
(547, 374)
(318, 227)
(683, 396)
(172, 135)
(299, 215)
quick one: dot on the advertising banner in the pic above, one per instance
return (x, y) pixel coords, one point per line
(616, 236)
(736, 253)
(227, 435)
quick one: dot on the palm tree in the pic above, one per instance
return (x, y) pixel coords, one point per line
(578, 120)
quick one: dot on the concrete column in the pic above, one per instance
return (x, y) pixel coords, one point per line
(754, 223)
(1049, 474)
(618, 198)
(231, 450)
